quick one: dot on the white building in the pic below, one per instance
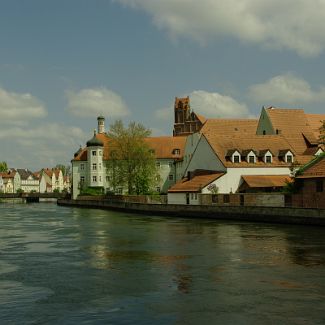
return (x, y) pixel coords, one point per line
(89, 163)
(267, 151)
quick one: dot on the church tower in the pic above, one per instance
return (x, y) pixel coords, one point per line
(101, 124)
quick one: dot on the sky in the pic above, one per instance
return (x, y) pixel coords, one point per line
(64, 62)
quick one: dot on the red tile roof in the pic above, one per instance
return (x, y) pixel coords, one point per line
(163, 147)
(255, 181)
(195, 184)
(315, 169)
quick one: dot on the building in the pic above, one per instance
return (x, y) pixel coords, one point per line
(244, 153)
(51, 180)
(311, 184)
(186, 121)
(89, 163)
(6, 183)
(28, 182)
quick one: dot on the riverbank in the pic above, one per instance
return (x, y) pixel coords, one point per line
(244, 213)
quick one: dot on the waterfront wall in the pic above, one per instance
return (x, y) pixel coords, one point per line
(244, 213)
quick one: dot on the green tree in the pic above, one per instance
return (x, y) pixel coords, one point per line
(132, 163)
(3, 167)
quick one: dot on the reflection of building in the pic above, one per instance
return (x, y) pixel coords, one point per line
(311, 184)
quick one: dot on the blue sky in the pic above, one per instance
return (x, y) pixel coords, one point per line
(64, 62)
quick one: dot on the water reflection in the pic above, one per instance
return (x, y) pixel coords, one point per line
(79, 265)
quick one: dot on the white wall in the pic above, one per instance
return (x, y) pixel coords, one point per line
(176, 198)
(231, 180)
(205, 158)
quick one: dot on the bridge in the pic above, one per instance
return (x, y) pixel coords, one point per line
(33, 197)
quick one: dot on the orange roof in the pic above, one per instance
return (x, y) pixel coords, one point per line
(316, 169)
(296, 126)
(315, 121)
(195, 184)
(266, 180)
(274, 143)
(230, 126)
(163, 147)
(6, 175)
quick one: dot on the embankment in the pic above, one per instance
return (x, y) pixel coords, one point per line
(244, 213)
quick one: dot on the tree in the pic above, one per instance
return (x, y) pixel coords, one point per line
(66, 170)
(3, 167)
(131, 163)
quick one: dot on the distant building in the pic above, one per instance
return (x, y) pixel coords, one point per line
(51, 179)
(28, 182)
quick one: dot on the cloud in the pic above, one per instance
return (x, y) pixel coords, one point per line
(96, 101)
(292, 24)
(286, 88)
(42, 146)
(209, 104)
(18, 108)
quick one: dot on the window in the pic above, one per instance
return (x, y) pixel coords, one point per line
(94, 178)
(158, 164)
(119, 190)
(176, 151)
(158, 189)
(264, 132)
(268, 159)
(107, 178)
(171, 177)
(82, 179)
(319, 185)
(100, 166)
(94, 153)
(94, 166)
(82, 166)
(195, 196)
(236, 159)
(289, 158)
(170, 164)
(100, 178)
(100, 152)
(251, 159)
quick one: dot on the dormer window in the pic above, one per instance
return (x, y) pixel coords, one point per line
(176, 151)
(249, 155)
(236, 159)
(251, 159)
(268, 159)
(286, 155)
(289, 158)
(319, 152)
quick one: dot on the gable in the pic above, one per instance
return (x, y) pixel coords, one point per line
(204, 157)
(264, 124)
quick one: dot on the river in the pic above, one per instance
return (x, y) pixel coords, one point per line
(62, 265)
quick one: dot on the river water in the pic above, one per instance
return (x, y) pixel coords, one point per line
(63, 265)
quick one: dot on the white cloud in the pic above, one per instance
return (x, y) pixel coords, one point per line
(97, 101)
(210, 105)
(213, 105)
(17, 108)
(292, 24)
(43, 146)
(286, 88)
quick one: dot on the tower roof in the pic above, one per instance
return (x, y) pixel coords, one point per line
(94, 141)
